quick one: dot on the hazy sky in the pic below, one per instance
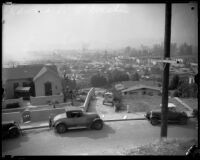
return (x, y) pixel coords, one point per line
(94, 26)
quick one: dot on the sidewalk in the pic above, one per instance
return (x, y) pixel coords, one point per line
(119, 116)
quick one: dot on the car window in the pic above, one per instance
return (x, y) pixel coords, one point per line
(75, 114)
(172, 109)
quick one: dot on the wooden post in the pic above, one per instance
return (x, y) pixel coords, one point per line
(164, 111)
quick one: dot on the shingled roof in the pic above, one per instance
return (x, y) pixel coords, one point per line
(141, 87)
(24, 71)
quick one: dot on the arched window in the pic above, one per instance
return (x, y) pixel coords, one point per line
(48, 88)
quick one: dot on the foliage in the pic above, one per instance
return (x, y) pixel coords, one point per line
(117, 76)
(187, 90)
(135, 77)
(174, 82)
(67, 85)
(98, 80)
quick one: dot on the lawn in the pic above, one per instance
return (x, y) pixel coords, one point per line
(143, 103)
(192, 102)
(167, 147)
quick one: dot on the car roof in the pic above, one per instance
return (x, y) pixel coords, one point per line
(108, 93)
(73, 108)
(170, 105)
(8, 122)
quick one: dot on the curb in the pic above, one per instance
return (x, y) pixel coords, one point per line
(112, 120)
(29, 127)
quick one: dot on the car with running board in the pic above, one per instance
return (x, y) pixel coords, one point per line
(75, 118)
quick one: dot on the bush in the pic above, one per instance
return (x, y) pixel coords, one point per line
(13, 105)
(175, 93)
(174, 82)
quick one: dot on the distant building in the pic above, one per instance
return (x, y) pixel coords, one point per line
(31, 80)
(142, 90)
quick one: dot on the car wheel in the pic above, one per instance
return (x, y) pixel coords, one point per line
(14, 132)
(61, 128)
(98, 125)
(183, 120)
(154, 121)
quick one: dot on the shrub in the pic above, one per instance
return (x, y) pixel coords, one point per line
(175, 93)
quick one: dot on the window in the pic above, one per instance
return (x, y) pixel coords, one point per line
(15, 85)
(48, 88)
(74, 114)
(25, 84)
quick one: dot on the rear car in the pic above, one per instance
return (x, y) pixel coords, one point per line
(174, 116)
(75, 118)
(108, 98)
(10, 129)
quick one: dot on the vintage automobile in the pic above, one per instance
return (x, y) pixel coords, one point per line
(174, 116)
(10, 129)
(73, 118)
(108, 98)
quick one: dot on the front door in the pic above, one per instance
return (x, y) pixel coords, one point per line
(48, 88)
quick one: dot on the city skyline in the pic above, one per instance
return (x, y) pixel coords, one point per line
(93, 26)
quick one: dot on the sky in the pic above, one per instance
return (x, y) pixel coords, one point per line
(29, 27)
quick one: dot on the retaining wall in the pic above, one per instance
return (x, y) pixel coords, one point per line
(36, 116)
(90, 95)
(42, 100)
(14, 116)
(9, 101)
(43, 115)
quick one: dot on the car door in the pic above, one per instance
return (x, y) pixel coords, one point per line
(172, 115)
(80, 119)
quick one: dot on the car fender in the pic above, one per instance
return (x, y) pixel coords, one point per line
(13, 127)
(59, 122)
(97, 119)
(153, 115)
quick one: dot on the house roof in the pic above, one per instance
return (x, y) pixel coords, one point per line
(141, 87)
(128, 84)
(24, 71)
(44, 70)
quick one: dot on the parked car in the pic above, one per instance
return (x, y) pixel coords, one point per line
(174, 116)
(75, 117)
(10, 129)
(108, 98)
(13, 105)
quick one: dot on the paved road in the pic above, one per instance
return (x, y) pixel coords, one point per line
(114, 137)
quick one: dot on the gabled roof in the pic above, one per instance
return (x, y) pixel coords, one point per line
(141, 87)
(24, 71)
(43, 71)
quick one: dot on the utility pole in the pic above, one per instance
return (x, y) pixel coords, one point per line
(164, 111)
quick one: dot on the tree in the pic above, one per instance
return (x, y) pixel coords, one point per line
(187, 90)
(116, 76)
(135, 77)
(185, 49)
(174, 82)
(98, 80)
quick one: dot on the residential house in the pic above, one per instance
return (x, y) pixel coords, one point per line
(31, 80)
(142, 90)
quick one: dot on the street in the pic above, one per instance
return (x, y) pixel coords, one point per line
(111, 140)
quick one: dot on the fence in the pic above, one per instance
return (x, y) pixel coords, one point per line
(10, 101)
(90, 95)
(42, 100)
